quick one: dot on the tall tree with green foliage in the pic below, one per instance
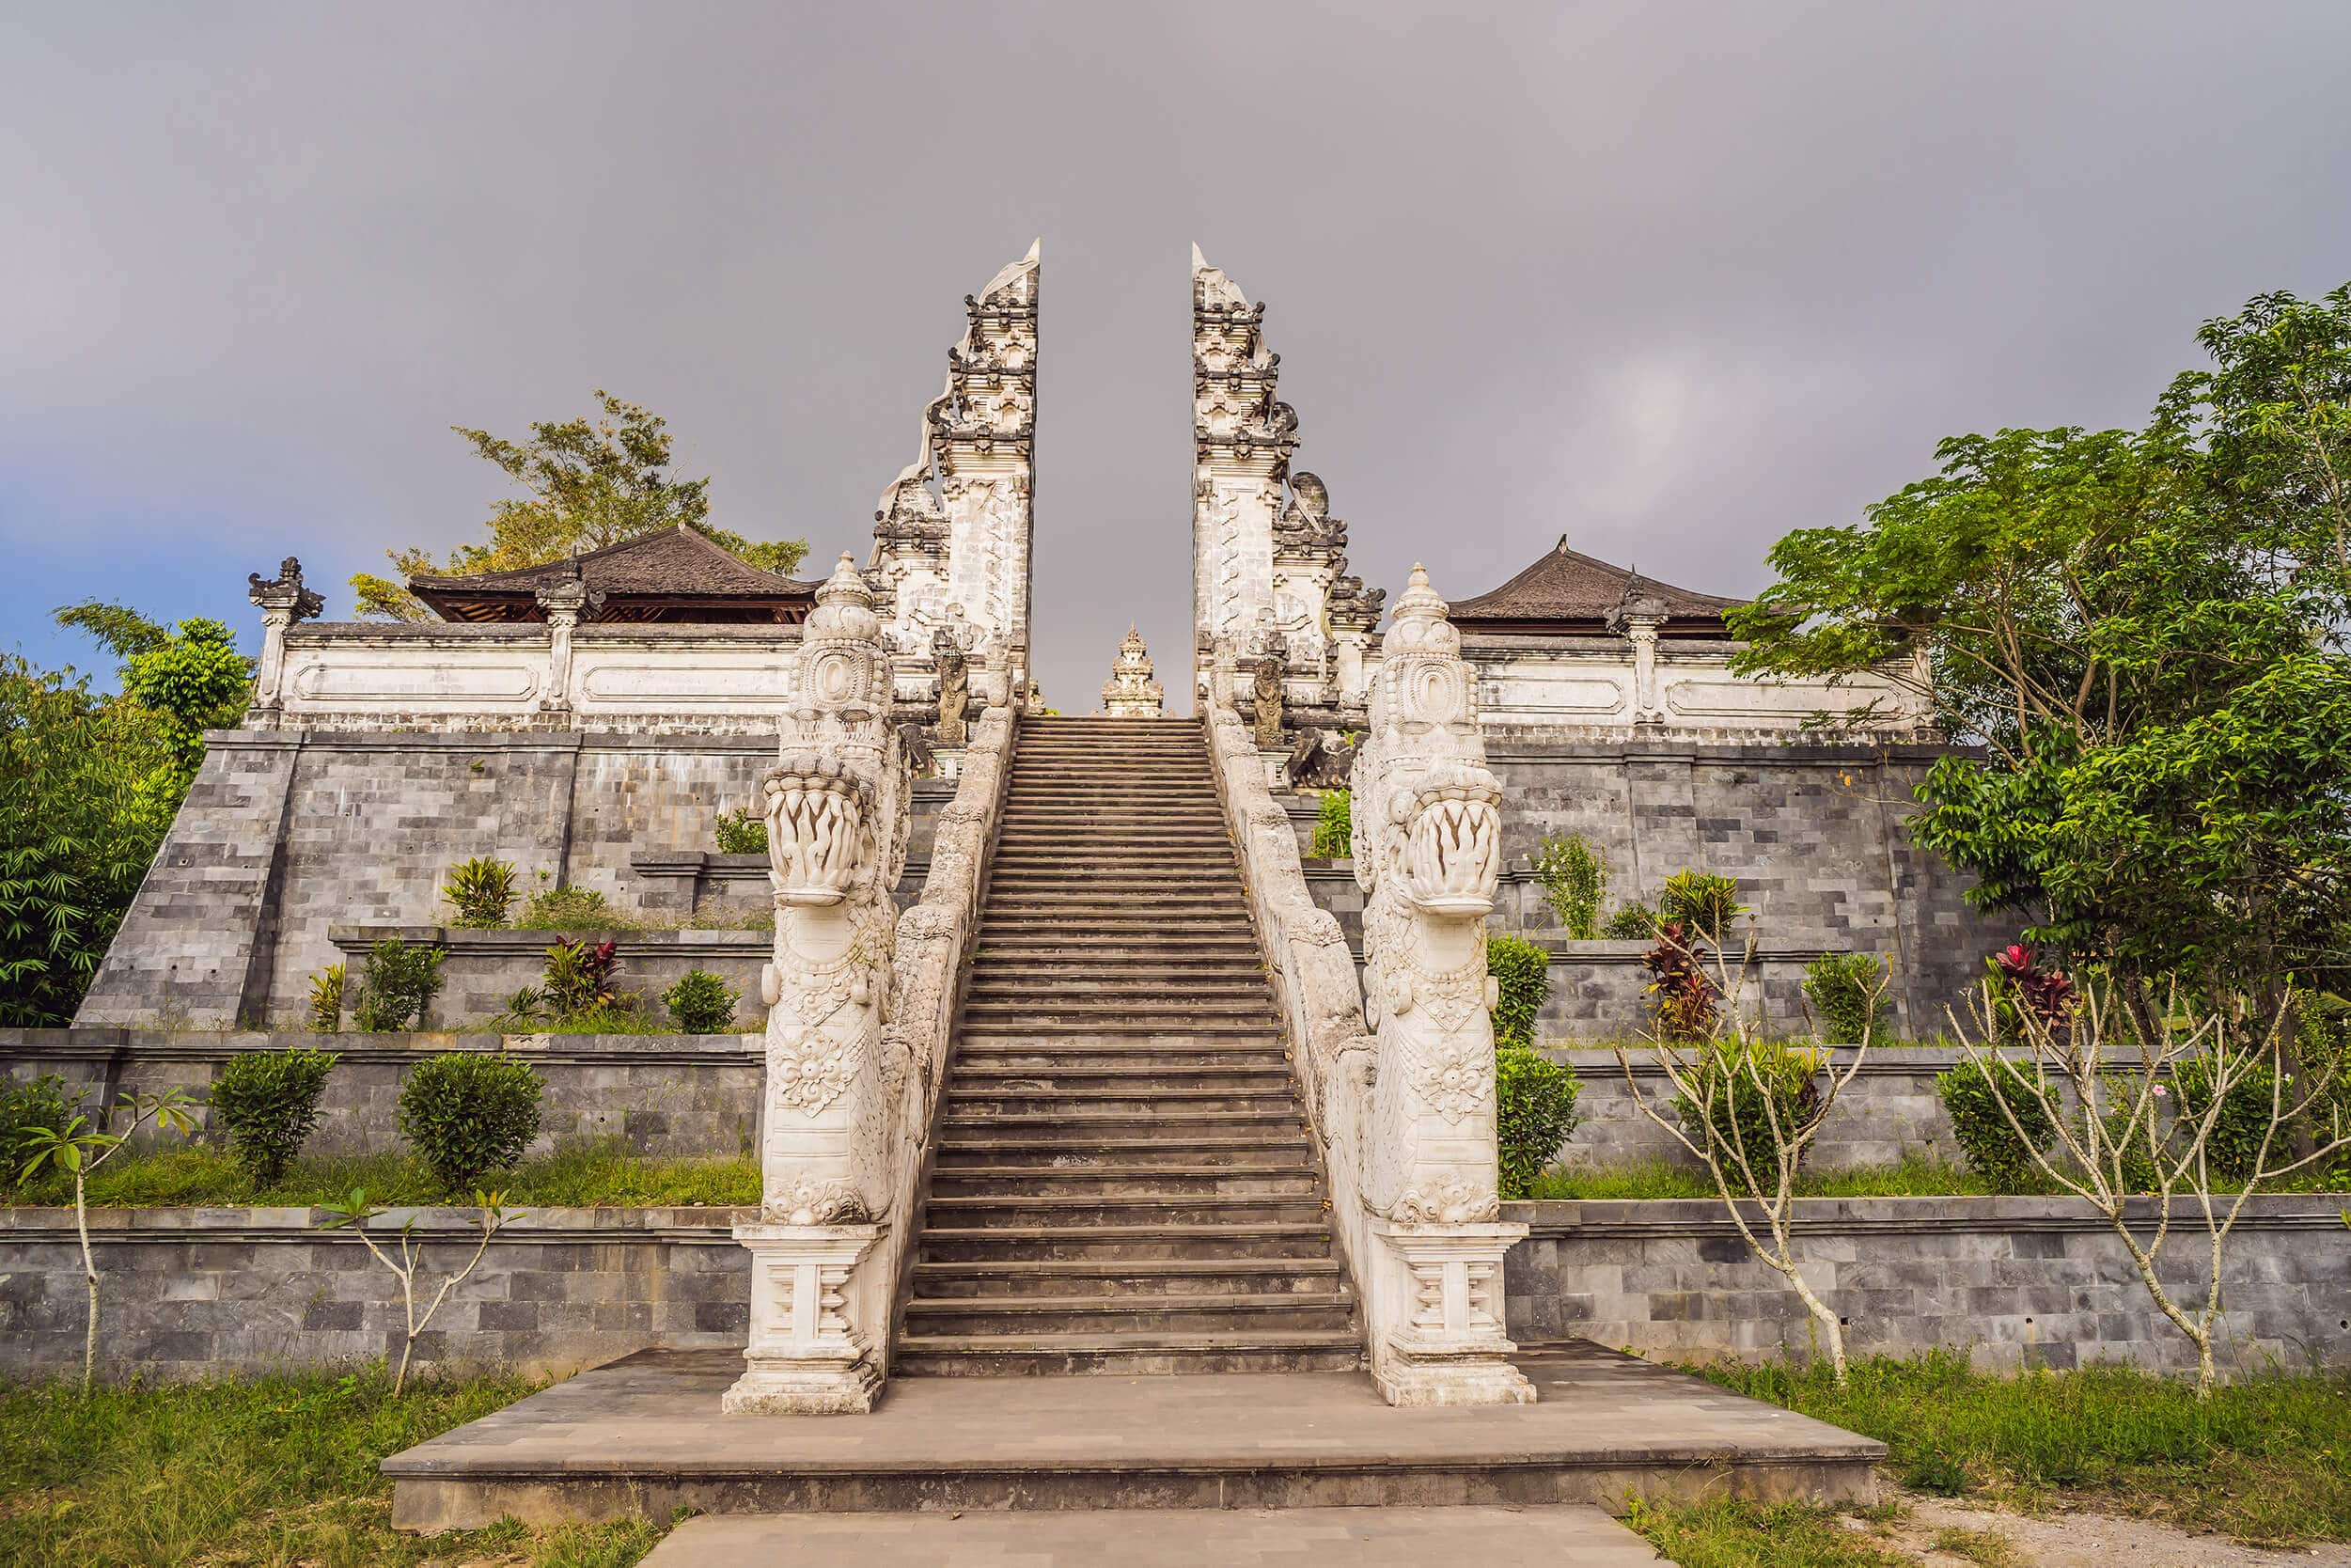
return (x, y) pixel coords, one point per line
(2144, 633)
(94, 781)
(591, 482)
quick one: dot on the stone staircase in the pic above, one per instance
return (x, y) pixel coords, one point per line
(1123, 1181)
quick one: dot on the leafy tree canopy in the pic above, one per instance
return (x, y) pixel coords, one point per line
(2142, 634)
(591, 482)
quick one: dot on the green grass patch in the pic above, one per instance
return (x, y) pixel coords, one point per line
(273, 1470)
(1912, 1178)
(574, 1175)
(1728, 1534)
(2267, 1459)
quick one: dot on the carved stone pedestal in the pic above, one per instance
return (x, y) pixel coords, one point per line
(805, 1358)
(1449, 1348)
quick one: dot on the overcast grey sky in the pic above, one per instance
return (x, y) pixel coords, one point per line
(1671, 279)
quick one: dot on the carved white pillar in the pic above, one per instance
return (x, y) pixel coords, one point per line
(1428, 855)
(838, 805)
(283, 601)
(1348, 650)
(1640, 619)
(564, 600)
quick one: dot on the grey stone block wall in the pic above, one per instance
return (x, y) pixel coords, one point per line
(2010, 1280)
(1814, 835)
(192, 1293)
(1888, 1113)
(196, 1292)
(288, 834)
(658, 1094)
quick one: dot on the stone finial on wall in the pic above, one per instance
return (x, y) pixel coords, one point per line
(1427, 830)
(837, 808)
(564, 601)
(283, 601)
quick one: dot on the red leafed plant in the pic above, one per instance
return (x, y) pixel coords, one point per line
(1680, 995)
(581, 975)
(2046, 995)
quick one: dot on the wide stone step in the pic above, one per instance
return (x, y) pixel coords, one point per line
(1126, 1317)
(1049, 1006)
(1049, 1181)
(1177, 1037)
(1226, 1239)
(1098, 1276)
(1261, 1074)
(1111, 984)
(1032, 1354)
(1013, 1100)
(998, 1057)
(1077, 1152)
(1140, 1207)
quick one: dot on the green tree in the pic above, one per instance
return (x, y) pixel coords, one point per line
(591, 482)
(2143, 633)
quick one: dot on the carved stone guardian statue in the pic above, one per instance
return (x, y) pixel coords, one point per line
(838, 805)
(1428, 855)
(954, 693)
(1266, 691)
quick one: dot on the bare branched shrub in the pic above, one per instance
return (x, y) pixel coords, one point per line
(2091, 1093)
(1748, 1108)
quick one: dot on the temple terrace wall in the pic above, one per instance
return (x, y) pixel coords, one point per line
(1814, 834)
(288, 834)
(202, 1291)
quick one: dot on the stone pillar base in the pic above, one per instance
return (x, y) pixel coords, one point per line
(1450, 1348)
(805, 1358)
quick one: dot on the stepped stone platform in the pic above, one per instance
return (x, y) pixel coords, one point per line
(645, 1434)
(1571, 1537)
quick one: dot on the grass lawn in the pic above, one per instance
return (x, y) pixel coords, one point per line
(579, 1175)
(1732, 1535)
(2268, 1460)
(278, 1471)
(1912, 1178)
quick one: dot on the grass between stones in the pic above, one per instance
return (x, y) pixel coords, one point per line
(277, 1470)
(1728, 1534)
(1912, 1178)
(574, 1175)
(2266, 1460)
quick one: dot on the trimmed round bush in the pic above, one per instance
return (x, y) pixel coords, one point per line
(1838, 985)
(701, 1002)
(1761, 1093)
(1534, 1112)
(466, 1113)
(1986, 1140)
(1522, 980)
(267, 1102)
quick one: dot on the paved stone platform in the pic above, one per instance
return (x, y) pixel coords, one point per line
(643, 1435)
(1559, 1537)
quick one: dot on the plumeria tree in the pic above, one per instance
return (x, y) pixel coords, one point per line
(406, 1260)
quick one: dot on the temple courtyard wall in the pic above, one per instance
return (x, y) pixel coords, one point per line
(1814, 834)
(192, 1293)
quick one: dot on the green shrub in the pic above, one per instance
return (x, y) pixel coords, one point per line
(582, 976)
(24, 1104)
(1575, 881)
(482, 890)
(1522, 979)
(1535, 1113)
(2233, 1151)
(326, 1000)
(399, 984)
(2323, 1045)
(742, 833)
(565, 908)
(267, 1103)
(1986, 1140)
(1752, 1084)
(1848, 994)
(1632, 922)
(1333, 825)
(1704, 902)
(701, 1002)
(467, 1113)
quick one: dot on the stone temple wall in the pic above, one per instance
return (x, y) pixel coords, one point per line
(288, 834)
(1814, 834)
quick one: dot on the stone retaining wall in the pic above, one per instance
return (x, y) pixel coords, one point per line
(196, 1291)
(660, 1094)
(2009, 1280)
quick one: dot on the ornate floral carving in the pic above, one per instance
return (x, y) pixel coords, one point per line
(818, 1201)
(1446, 1201)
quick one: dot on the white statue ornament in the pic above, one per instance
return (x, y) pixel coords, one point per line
(1427, 847)
(837, 808)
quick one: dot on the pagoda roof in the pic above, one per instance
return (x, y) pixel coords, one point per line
(1567, 591)
(670, 574)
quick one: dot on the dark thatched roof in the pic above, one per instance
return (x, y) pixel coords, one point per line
(668, 574)
(1568, 592)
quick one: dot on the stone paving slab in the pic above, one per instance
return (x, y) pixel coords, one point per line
(645, 1434)
(1560, 1537)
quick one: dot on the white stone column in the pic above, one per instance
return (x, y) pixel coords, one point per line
(564, 601)
(838, 805)
(1428, 855)
(283, 601)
